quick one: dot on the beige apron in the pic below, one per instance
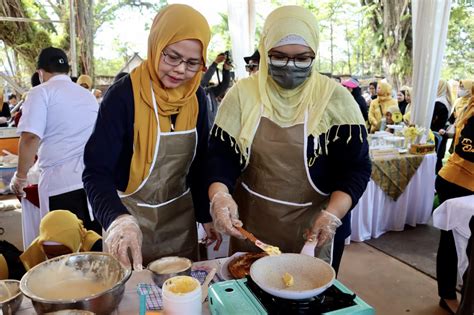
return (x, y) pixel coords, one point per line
(163, 204)
(277, 199)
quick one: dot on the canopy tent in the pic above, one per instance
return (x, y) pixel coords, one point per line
(430, 28)
(241, 15)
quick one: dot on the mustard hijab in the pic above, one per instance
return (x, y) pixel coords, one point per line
(172, 24)
(63, 227)
(326, 102)
(3, 268)
(384, 96)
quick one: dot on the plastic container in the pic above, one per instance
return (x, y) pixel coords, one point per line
(182, 295)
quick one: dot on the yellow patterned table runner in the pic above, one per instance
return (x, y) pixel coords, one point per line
(392, 174)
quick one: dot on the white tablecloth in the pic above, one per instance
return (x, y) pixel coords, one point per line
(455, 214)
(376, 213)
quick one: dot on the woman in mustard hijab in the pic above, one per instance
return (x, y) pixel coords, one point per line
(378, 107)
(60, 233)
(145, 161)
(295, 143)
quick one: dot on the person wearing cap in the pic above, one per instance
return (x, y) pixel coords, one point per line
(378, 107)
(145, 162)
(353, 86)
(60, 233)
(85, 81)
(288, 151)
(57, 119)
(252, 62)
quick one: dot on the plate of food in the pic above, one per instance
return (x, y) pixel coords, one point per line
(238, 265)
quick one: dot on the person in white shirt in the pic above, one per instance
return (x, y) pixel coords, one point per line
(58, 118)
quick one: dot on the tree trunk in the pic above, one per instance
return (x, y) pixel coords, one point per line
(395, 33)
(84, 31)
(348, 50)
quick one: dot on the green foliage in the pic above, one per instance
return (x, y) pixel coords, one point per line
(459, 53)
(108, 67)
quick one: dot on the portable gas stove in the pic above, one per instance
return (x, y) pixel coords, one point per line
(243, 296)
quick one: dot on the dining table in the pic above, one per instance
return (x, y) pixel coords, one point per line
(400, 192)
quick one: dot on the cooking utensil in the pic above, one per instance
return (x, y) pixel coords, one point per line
(13, 302)
(160, 277)
(102, 266)
(269, 249)
(308, 248)
(311, 275)
(205, 284)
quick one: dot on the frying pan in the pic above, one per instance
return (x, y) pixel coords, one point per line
(311, 275)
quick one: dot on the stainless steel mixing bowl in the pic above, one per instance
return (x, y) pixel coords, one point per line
(103, 266)
(12, 304)
(160, 277)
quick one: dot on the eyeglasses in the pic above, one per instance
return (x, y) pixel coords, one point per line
(191, 65)
(302, 62)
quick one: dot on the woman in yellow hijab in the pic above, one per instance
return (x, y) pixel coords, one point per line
(150, 145)
(60, 233)
(464, 94)
(378, 107)
(293, 140)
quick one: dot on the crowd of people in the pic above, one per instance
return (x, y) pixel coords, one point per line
(283, 152)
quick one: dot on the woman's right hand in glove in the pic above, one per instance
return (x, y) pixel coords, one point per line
(225, 215)
(122, 234)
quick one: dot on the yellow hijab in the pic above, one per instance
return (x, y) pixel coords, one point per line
(63, 227)
(172, 24)
(326, 102)
(462, 102)
(384, 96)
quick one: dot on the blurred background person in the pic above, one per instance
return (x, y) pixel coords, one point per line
(119, 76)
(353, 86)
(402, 101)
(85, 81)
(12, 101)
(214, 91)
(5, 114)
(252, 62)
(439, 121)
(372, 90)
(378, 107)
(98, 95)
(464, 93)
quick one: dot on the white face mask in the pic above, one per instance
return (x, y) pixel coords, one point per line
(462, 93)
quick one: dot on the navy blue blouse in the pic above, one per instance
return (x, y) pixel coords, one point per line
(108, 155)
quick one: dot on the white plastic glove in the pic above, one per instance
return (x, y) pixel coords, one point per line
(122, 234)
(324, 228)
(17, 184)
(225, 215)
(3, 120)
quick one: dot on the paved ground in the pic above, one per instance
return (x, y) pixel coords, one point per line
(389, 285)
